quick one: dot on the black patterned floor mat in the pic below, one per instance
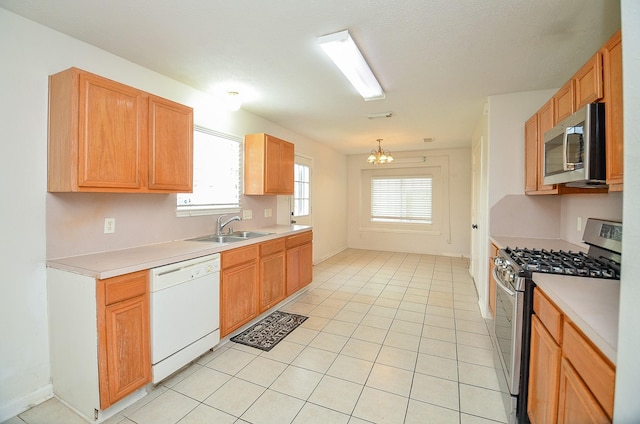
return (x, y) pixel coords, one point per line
(269, 331)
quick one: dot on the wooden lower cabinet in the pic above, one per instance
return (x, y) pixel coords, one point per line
(570, 381)
(238, 288)
(299, 261)
(576, 402)
(272, 273)
(544, 368)
(124, 349)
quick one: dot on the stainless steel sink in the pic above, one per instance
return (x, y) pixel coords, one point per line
(219, 239)
(230, 238)
(249, 234)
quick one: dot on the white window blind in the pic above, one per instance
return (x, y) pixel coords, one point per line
(301, 190)
(401, 199)
(217, 176)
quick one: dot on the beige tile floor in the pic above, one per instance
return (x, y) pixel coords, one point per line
(391, 338)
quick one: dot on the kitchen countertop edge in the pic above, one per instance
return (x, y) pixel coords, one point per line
(124, 261)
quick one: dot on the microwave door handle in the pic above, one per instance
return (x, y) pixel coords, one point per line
(565, 141)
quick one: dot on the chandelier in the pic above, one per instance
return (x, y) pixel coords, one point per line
(380, 156)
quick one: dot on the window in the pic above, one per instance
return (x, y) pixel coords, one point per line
(301, 190)
(401, 199)
(217, 176)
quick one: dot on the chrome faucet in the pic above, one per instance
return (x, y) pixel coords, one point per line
(221, 225)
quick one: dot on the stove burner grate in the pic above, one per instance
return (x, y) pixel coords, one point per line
(564, 262)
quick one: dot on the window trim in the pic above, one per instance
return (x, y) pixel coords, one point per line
(202, 210)
(435, 166)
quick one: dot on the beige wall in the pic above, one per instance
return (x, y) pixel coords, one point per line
(454, 236)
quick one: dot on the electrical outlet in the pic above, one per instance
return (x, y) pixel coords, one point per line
(579, 224)
(109, 225)
(247, 214)
(268, 213)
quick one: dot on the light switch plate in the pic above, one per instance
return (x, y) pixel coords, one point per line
(247, 214)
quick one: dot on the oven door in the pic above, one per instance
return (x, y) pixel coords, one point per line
(508, 331)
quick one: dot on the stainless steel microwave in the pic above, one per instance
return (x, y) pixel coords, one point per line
(574, 150)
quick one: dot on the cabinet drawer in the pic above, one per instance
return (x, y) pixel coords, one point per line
(237, 256)
(271, 247)
(125, 287)
(299, 239)
(548, 314)
(598, 374)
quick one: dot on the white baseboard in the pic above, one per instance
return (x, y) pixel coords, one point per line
(18, 406)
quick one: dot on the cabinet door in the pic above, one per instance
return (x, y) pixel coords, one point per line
(238, 296)
(286, 168)
(588, 82)
(531, 155)
(576, 403)
(127, 348)
(272, 280)
(272, 165)
(545, 123)
(110, 134)
(170, 146)
(293, 274)
(563, 102)
(306, 264)
(544, 369)
(612, 60)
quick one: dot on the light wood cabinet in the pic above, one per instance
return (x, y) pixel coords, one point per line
(544, 372)
(108, 137)
(268, 165)
(612, 64)
(272, 273)
(576, 403)
(563, 102)
(570, 381)
(124, 350)
(299, 261)
(535, 128)
(588, 82)
(493, 252)
(238, 287)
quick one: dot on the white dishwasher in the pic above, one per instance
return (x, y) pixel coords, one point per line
(185, 313)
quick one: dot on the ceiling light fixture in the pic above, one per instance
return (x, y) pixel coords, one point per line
(233, 101)
(380, 115)
(341, 48)
(380, 156)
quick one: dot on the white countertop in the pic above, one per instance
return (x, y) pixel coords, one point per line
(118, 262)
(591, 303)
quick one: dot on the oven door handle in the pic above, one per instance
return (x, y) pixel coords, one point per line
(502, 286)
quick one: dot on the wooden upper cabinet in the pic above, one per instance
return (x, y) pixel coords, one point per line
(268, 165)
(588, 82)
(108, 137)
(531, 155)
(563, 102)
(170, 146)
(612, 71)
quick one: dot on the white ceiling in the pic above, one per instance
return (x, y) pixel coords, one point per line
(437, 60)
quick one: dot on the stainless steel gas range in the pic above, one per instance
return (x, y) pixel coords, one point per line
(514, 274)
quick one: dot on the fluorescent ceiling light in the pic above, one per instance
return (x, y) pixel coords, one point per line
(341, 48)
